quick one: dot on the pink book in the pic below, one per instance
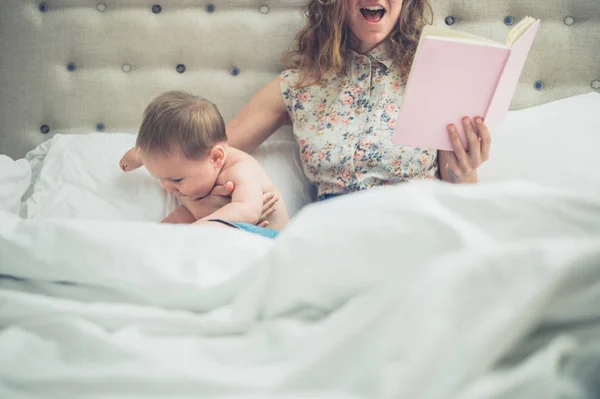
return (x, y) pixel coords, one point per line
(455, 74)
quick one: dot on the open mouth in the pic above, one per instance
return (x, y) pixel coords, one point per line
(373, 13)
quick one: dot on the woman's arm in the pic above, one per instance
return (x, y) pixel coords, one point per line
(260, 118)
(180, 215)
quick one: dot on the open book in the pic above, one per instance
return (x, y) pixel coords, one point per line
(456, 74)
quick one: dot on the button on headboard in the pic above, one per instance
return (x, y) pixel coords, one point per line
(76, 66)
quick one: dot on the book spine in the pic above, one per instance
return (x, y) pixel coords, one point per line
(509, 78)
(495, 92)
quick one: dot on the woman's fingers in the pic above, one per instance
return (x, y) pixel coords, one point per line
(474, 157)
(449, 164)
(267, 212)
(485, 139)
(269, 202)
(461, 164)
(459, 151)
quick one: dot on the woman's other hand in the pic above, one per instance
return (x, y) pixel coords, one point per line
(269, 202)
(221, 196)
(460, 165)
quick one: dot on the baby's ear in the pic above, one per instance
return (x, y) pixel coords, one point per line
(217, 155)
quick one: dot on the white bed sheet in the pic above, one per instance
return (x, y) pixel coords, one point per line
(428, 290)
(177, 311)
(15, 179)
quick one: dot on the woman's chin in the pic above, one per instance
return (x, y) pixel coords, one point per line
(370, 42)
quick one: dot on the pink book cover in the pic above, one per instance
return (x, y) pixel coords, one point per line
(452, 78)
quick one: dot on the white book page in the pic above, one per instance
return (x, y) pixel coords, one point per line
(518, 31)
(432, 31)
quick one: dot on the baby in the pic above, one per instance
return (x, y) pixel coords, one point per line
(182, 142)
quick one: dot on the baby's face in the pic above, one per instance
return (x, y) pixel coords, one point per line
(181, 176)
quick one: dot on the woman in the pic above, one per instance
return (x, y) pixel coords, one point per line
(341, 92)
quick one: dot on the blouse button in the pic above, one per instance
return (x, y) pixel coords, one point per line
(450, 20)
(101, 7)
(264, 9)
(43, 7)
(180, 68)
(508, 21)
(539, 85)
(235, 71)
(156, 9)
(126, 68)
(44, 129)
(568, 20)
(100, 127)
(596, 84)
(210, 8)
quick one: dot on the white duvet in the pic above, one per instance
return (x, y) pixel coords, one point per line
(426, 290)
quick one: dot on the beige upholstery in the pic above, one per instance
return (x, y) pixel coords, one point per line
(123, 54)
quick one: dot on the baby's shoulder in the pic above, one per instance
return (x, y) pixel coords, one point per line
(241, 163)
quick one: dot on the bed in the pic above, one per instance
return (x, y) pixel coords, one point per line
(428, 290)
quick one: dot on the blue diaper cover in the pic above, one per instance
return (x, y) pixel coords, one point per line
(261, 231)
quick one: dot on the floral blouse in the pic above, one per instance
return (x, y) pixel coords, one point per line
(344, 127)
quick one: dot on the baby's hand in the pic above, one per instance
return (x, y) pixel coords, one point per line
(131, 160)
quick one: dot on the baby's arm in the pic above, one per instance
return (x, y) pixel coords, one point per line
(131, 160)
(218, 198)
(180, 215)
(246, 200)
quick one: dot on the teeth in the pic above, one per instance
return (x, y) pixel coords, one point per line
(373, 8)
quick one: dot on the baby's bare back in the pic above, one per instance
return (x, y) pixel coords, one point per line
(279, 218)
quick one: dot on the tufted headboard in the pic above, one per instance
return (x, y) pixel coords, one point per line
(76, 66)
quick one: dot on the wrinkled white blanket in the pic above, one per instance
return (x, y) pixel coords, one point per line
(419, 291)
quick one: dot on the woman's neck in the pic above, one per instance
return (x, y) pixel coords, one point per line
(363, 47)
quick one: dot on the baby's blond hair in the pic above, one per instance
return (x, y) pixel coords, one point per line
(176, 120)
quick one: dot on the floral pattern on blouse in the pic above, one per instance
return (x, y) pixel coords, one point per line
(344, 127)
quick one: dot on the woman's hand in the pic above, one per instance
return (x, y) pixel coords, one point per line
(460, 165)
(269, 202)
(221, 196)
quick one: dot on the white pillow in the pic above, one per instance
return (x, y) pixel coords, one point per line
(15, 177)
(81, 179)
(552, 144)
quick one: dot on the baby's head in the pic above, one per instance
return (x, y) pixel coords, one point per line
(182, 142)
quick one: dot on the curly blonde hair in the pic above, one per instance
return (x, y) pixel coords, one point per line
(324, 43)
